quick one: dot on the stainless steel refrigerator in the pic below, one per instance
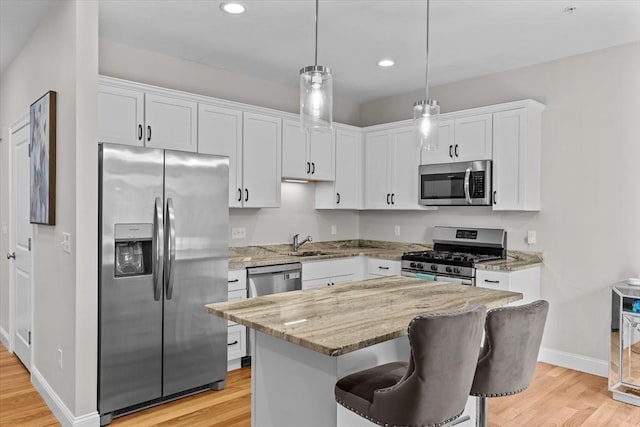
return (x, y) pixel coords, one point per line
(163, 248)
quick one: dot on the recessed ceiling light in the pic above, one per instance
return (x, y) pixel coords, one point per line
(570, 9)
(386, 63)
(233, 8)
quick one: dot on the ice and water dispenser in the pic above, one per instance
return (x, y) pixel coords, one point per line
(133, 246)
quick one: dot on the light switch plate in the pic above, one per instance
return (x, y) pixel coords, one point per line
(66, 242)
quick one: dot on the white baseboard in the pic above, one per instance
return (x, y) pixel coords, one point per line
(5, 339)
(57, 406)
(573, 361)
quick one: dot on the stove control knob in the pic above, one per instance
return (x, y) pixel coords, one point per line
(412, 265)
(448, 269)
(420, 267)
(434, 268)
(456, 270)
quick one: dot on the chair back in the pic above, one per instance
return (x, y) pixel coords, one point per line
(435, 387)
(510, 349)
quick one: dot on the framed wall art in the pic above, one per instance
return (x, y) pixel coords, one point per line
(42, 128)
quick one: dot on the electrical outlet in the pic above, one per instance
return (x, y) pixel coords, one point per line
(238, 233)
(396, 230)
(66, 242)
(60, 359)
(531, 237)
(4, 228)
(334, 230)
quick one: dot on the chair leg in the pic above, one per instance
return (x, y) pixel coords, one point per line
(481, 412)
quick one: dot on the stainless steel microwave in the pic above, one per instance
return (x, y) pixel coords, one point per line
(456, 184)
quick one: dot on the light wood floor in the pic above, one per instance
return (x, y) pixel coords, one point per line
(557, 397)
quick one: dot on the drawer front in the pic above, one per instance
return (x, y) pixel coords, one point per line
(383, 267)
(492, 279)
(236, 342)
(237, 280)
(236, 296)
(332, 268)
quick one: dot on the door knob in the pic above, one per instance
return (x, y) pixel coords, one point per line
(11, 255)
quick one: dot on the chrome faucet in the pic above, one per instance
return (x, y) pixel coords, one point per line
(297, 245)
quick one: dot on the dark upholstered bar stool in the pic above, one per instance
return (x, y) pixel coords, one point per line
(509, 353)
(433, 388)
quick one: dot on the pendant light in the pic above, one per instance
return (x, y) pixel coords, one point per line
(316, 94)
(426, 112)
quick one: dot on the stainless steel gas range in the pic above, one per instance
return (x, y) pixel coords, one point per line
(456, 250)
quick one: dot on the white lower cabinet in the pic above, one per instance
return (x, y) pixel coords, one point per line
(377, 267)
(236, 334)
(316, 274)
(526, 281)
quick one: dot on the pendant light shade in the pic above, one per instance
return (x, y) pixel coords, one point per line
(316, 98)
(316, 94)
(426, 116)
(426, 113)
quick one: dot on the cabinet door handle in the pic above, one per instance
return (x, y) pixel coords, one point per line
(337, 198)
(239, 194)
(455, 150)
(491, 281)
(383, 268)
(313, 168)
(232, 343)
(393, 196)
(450, 153)
(140, 132)
(246, 195)
(233, 281)
(148, 133)
(495, 197)
(308, 167)
(388, 195)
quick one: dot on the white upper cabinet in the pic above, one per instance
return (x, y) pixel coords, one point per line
(261, 157)
(252, 143)
(220, 132)
(306, 156)
(171, 123)
(462, 139)
(391, 169)
(128, 115)
(346, 191)
(516, 158)
(120, 115)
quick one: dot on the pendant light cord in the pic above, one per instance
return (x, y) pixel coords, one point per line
(426, 83)
(316, 58)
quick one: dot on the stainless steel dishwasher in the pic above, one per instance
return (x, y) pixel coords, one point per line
(271, 279)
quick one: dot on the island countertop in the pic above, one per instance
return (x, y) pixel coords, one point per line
(340, 319)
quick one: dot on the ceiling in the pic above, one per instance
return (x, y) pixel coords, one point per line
(274, 39)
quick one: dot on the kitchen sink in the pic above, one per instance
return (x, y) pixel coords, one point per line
(309, 253)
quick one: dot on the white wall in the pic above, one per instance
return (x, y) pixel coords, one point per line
(295, 216)
(589, 225)
(61, 55)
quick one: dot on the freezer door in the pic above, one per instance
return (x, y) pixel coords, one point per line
(196, 237)
(130, 309)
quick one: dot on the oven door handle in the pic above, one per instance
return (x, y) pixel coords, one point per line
(467, 176)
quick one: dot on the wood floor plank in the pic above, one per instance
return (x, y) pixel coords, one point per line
(556, 397)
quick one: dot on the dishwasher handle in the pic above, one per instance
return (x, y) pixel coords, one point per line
(274, 269)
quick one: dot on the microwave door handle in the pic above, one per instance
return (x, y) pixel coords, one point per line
(158, 248)
(467, 175)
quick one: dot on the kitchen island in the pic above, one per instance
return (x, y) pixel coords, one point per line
(306, 340)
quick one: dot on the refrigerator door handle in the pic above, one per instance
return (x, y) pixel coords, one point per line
(158, 249)
(170, 257)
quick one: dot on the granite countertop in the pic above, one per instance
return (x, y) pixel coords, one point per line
(341, 319)
(254, 256)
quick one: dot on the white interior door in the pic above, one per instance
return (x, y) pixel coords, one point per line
(21, 242)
